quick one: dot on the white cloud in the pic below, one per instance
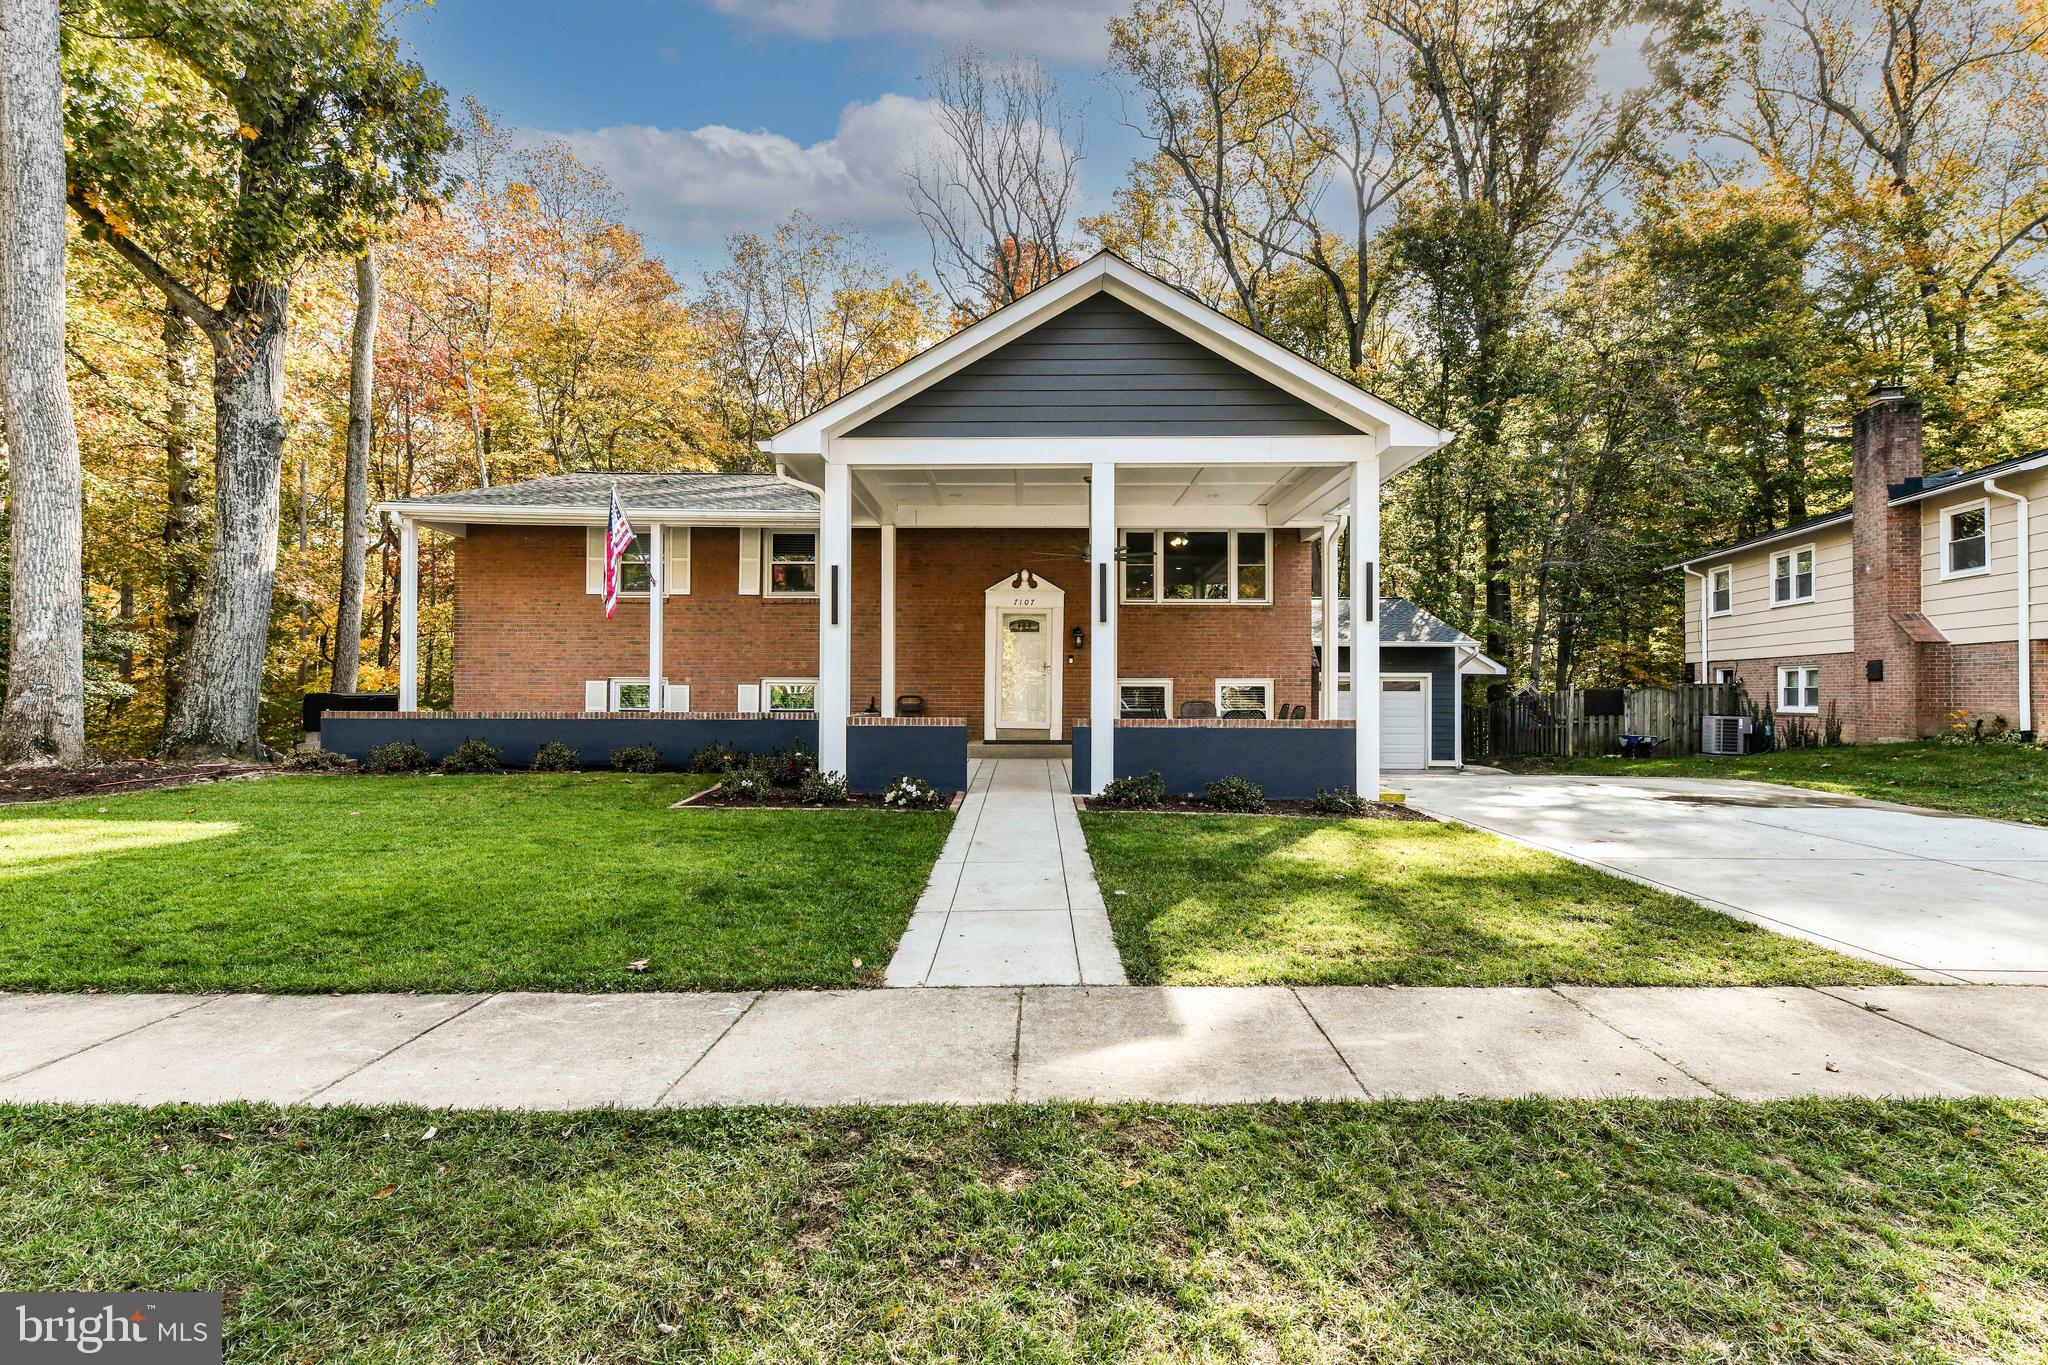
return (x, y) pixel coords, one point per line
(691, 186)
(1059, 30)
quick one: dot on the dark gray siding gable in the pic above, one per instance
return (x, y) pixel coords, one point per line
(1441, 665)
(1102, 368)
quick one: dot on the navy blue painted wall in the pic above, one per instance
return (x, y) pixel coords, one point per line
(1439, 662)
(877, 755)
(592, 737)
(1290, 764)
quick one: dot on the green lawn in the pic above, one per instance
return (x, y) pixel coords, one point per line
(1239, 900)
(528, 882)
(1522, 1232)
(2002, 781)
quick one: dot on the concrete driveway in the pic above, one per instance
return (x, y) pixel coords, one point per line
(1946, 897)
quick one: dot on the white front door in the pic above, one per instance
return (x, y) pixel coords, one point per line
(1024, 651)
(1404, 723)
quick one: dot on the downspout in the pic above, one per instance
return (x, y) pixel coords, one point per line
(1706, 615)
(2024, 573)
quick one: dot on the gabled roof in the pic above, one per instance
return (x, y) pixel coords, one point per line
(587, 497)
(1797, 528)
(1401, 623)
(1407, 437)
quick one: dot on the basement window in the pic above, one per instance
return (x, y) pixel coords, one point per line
(1144, 698)
(1244, 698)
(1966, 540)
(781, 695)
(1799, 690)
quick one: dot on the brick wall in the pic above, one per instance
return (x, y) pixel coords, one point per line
(1983, 680)
(527, 635)
(1759, 678)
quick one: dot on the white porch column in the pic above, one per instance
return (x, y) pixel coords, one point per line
(408, 614)
(1365, 621)
(1326, 700)
(835, 628)
(655, 588)
(888, 619)
(1102, 594)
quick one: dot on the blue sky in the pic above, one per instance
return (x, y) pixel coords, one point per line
(716, 115)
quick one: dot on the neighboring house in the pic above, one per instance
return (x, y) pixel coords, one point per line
(1927, 595)
(1102, 501)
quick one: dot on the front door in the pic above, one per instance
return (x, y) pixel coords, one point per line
(1024, 688)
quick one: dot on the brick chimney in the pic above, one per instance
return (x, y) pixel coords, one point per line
(1889, 661)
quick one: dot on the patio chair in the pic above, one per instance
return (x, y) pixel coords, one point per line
(1198, 710)
(1244, 713)
(1296, 712)
(910, 704)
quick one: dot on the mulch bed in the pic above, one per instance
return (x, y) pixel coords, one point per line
(113, 779)
(1195, 805)
(786, 799)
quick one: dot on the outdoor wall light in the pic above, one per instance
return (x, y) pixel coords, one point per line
(1077, 638)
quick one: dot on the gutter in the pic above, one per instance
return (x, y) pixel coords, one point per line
(1706, 616)
(2023, 572)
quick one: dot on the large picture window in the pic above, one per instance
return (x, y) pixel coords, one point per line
(792, 564)
(1966, 540)
(1792, 576)
(1197, 566)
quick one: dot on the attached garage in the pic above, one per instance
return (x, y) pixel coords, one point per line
(1423, 666)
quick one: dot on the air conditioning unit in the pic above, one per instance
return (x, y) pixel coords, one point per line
(1723, 734)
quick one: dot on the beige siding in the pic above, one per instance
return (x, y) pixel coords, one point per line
(1980, 609)
(1755, 629)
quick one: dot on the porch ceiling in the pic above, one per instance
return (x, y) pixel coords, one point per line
(1057, 495)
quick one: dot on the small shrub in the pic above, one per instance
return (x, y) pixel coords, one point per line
(913, 793)
(636, 758)
(715, 759)
(1235, 794)
(750, 783)
(1338, 801)
(822, 789)
(474, 755)
(1128, 793)
(788, 767)
(399, 756)
(556, 757)
(317, 761)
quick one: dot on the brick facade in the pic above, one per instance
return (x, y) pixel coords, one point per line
(1759, 679)
(1982, 680)
(1886, 542)
(527, 634)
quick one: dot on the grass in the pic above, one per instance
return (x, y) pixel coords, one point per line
(2000, 781)
(1524, 1232)
(524, 882)
(1238, 900)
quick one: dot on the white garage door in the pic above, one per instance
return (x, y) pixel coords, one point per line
(1404, 723)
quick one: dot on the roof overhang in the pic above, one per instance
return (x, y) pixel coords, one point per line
(1398, 437)
(1758, 542)
(2027, 464)
(449, 514)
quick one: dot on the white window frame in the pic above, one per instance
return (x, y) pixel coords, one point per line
(1799, 673)
(1159, 534)
(1724, 676)
(768, 686)
(768, 587)
(1948, 516)
(593, 563)
(1714, 575)
(1164, 684)
(1266, 683)
(613, 686)
(1792, 556)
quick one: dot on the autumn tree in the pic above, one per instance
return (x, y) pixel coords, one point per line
(314, 130)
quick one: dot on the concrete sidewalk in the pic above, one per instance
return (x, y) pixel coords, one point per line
(973, 1046)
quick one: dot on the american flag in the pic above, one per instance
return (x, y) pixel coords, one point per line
(618, 538)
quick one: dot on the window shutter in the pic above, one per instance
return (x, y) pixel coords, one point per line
(750, 698)
(675, 696)
(750, 561)
(597, 695)
(675, 551)
(593, 560)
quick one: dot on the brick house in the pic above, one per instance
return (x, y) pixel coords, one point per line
(1102, 503)
(1926, 596)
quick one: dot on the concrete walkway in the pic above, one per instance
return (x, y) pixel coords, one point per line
(1186, 1044)
(1012, 900)
(1946, 897)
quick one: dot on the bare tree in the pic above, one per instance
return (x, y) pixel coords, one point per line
(43, 720)
(996, 184)
(355, 500)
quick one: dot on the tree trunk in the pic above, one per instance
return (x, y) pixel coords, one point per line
(182, 553)
(355, 502)
(219, 709)
(43, 720)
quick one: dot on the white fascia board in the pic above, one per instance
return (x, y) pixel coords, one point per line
(919, 452)
(1967, 481)
(582, 516)
(1105, 273)
(1481, 666)
(1743, 547)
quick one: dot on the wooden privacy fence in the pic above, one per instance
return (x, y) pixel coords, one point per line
(1589, 722)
